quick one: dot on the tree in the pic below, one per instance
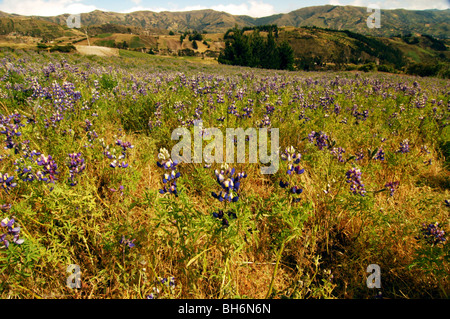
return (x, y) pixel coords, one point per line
(257, 48)
(194, 45)
(270, 59)
(255, 51)
(286, 56)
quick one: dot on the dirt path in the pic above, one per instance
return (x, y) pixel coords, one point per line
(96, 50)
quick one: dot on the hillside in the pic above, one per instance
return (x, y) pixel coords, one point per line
(35, 28)
(393, 22)
(325, 45)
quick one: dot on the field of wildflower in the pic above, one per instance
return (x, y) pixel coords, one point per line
(88, 182)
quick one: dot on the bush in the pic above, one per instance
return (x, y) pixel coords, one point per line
(386, 68)
(368, 67)
(423, 69)
(186, 52)
(63, 48)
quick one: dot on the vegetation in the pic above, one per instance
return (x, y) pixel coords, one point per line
(87, 179)
(255, 51)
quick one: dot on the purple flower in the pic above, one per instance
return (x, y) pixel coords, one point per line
(13, 232)
(379, 155)
(354, 178)
(392, 186)
(170, 177)
(447, 202)
(221, 216)
(49, 168)
(433, 234)
(359, 155)
(296, 190)
(76, 166)
(404, 147)
(292, 158)
(127, 242)
(5, 207)
(229, 182)
(172, 189)
(320, 138)
(115, 164)
(6, 182)
(337, 153)
(284, 184)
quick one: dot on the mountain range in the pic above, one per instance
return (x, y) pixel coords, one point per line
(393, 22)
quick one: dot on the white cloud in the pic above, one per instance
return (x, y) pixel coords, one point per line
(251, 8)
(45, 7)
(404, 4)
(417, 4)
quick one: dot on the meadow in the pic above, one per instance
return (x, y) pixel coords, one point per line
(86, 180)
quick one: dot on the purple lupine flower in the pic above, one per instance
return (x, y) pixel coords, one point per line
(359, 155)
(320, 138)
(354, 177)
(76, 166)
(221, 216)
(292, 158)
(229, 182)
(127, 242)
(392, 186)
(6, 182)
(169, 179)
(404, 147)
(115, 164)
(26, 174)
(10, 131)
(433, 233)
(124, 145)
(49, 168)
(337, 153)
(171, 189)
(12, 231)
(5, 207)
(87, 125)
(115, 190)
(284, 184)
(379, 155)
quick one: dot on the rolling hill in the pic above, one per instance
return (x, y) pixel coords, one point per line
(323, 37)
(393, 22)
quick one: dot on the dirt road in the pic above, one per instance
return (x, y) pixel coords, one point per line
(96, 50)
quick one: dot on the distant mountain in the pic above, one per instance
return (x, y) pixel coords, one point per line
(393, 22)
(161, 22)
(32, 27)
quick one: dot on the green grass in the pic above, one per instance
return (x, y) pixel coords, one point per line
(136, 43)
(105, 43)
(103, 35)
(133, 54)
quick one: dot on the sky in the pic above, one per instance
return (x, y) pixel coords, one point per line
(254, 8)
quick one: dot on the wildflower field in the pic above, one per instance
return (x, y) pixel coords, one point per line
(88, 182)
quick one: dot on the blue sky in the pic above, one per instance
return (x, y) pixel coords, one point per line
(255, 8)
